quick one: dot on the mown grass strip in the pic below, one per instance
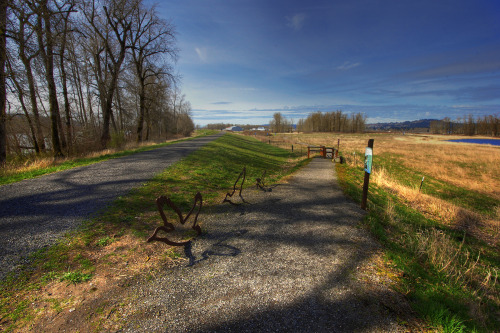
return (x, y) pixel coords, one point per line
(444, 294)
(211, 170)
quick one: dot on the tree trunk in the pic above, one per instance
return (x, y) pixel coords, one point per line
(67, 109)
(47, 52)
(140, 119)
(31, 84)
(34, 106)
(3, 90)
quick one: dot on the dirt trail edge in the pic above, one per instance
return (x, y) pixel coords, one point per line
(34, 213)
(290, 261)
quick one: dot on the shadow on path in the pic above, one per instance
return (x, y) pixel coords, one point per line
(288, 262)
(34, 213)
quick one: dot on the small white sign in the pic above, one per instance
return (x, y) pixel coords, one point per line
(368, 159)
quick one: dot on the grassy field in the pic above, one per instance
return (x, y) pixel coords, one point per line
(110, 252)
(444, 238)
(441, 242)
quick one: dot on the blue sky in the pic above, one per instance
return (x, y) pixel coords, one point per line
(394, 60)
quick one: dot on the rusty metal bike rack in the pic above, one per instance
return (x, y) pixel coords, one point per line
(169, 227)
(242, 174)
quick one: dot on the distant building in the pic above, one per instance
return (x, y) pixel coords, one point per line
(234, 129)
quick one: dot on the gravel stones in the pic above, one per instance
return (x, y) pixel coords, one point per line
(287, 261)
(35, 213)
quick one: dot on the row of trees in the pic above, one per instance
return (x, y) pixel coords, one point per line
(468, 125)
(85, 70)
(335, 121)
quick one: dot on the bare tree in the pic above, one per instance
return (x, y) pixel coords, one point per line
(87, 67)
(109, 24)
(46, 43)
(65, 9)
(153, 43)
(277, 124)
(27, 52)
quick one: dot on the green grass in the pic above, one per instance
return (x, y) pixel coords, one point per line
(211, 170)
(449, 302)
(104, 241)
(75, 277)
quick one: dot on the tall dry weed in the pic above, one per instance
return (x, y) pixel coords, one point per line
(457, 263)
(473, 224)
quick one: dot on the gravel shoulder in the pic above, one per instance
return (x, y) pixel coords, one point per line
(35, 213)
(292, 260)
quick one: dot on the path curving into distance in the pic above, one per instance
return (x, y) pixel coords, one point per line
(34, 213)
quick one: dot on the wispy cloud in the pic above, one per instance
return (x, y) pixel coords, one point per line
(202, 53)
(348, 65)
(375, 113)
(296, 22)
(221, 103)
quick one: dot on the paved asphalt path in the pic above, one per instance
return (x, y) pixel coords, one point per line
(34, 213)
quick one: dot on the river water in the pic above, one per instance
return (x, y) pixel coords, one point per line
(495, 142)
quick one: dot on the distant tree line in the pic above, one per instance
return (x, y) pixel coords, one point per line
(335, 121)
(85, 73)
(279, 124)
(467, 125)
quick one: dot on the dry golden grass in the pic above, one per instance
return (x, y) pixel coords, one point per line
(479, 226)
(471, 166)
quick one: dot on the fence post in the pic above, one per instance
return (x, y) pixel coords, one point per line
(367, 179)
(292, 148)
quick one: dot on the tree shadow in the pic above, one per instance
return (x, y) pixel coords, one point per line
(34, 213)
(293, 267)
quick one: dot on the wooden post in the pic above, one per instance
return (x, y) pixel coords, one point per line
(366, 181)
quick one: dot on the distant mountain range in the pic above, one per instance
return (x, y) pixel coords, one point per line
(405, 125)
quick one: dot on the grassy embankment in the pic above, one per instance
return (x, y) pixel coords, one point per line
(77, 276)
(18, 169)
(444, 240)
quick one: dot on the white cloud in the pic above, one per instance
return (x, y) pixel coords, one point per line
(296, 22)
(202, 53)
(348, 65)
